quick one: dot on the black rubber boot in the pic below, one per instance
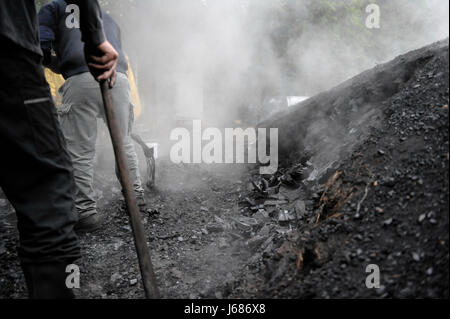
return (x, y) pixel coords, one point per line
(47, 281)
(88, 225)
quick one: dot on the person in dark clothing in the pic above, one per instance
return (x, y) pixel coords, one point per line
(35, 169)
(82, 104)
(66, 41)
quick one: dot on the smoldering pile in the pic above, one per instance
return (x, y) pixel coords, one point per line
(335, 208)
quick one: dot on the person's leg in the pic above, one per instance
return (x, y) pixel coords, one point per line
(36, 174)
(123, 108)
(78, 118)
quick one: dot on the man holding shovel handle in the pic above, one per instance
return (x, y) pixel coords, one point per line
(36, 173)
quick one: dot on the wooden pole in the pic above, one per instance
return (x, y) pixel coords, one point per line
(140, 241)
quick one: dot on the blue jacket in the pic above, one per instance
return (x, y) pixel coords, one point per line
(66, 41)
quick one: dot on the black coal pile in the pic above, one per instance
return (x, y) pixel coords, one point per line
(364, 182)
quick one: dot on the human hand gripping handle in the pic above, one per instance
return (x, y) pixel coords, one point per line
(102, 62)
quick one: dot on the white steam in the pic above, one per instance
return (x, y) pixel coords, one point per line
(213, 59)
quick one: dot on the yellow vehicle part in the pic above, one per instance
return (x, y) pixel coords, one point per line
(55, 81)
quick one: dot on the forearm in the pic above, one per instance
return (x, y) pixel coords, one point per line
(91, 24)
(101, 57)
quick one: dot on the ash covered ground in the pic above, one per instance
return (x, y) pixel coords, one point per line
(363, 180)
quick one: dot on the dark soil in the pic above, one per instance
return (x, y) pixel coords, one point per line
(189, 256)
(364, 181)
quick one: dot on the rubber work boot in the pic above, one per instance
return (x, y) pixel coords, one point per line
(88, 224)
(47, 281)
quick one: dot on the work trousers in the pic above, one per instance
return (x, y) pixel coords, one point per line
(81, 105)
(36, 173)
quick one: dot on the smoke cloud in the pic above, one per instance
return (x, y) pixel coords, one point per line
(221, 61)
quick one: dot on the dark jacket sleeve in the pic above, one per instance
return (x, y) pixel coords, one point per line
(91, 23)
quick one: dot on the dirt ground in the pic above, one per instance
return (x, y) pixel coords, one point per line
(190, 258)
(305, 232)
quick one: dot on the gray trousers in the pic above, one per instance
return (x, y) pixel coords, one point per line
(82, 104)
